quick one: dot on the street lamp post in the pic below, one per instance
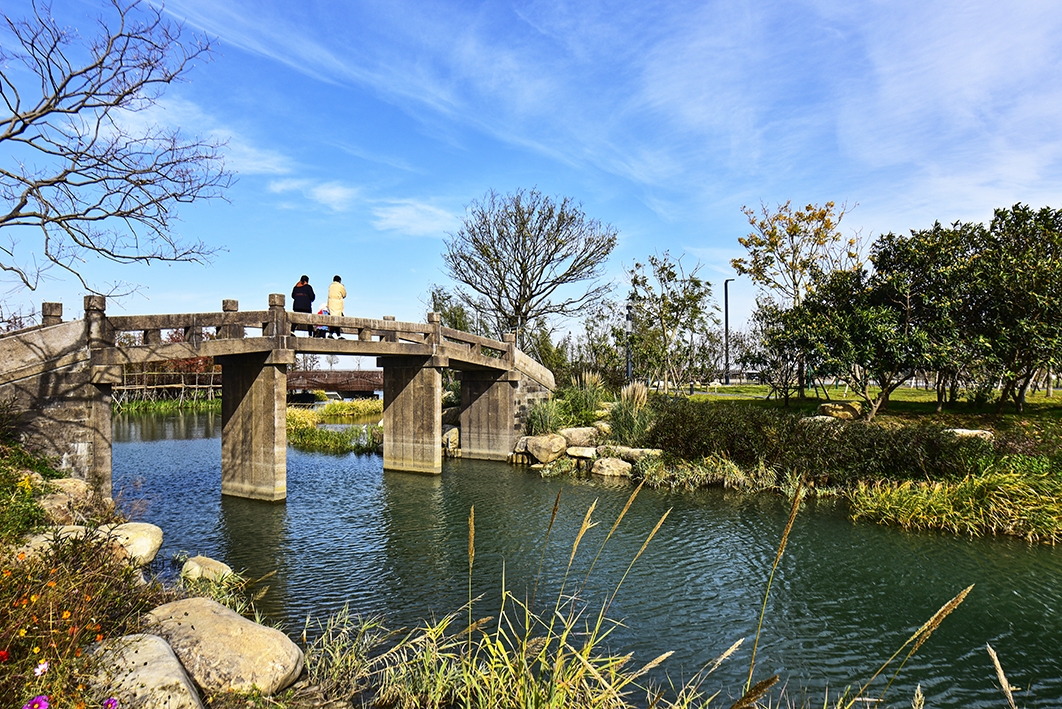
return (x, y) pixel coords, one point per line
(726, 329)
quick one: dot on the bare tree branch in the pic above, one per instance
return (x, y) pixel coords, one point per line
(519, 252)
(81, 176)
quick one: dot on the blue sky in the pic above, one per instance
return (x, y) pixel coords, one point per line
(360, 131)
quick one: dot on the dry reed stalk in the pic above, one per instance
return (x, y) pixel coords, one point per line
(797, 495)
(1003, 683)
(587, 524)
(753, 694)
(545, 545)
(918, 638)
(630, 566)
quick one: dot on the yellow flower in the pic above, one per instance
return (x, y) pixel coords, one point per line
(66, 614)
(33, 598)
(36, 649)
(22, 632)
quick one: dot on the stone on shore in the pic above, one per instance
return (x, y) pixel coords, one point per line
(224, 651)
(581, 452)
(580, 437)
(203, 567)
(141, 672)
(547, 448)
(611, 467)
(140, 540)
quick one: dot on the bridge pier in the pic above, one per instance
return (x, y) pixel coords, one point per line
(254, 435)
(412, 420)
(487, 415)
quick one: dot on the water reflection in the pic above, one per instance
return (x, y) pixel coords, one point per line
(846, 596)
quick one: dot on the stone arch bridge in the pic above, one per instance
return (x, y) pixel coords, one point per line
(59, 376)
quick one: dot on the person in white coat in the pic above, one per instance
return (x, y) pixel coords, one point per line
(336, 293)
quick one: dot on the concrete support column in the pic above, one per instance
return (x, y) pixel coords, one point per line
(51, 314)
(488, 429)
(412, 415)
(254, 436)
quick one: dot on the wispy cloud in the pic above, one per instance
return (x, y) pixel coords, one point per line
(336, 196)
(413, 218)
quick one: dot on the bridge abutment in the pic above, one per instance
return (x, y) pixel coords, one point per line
(412, 392)
(254, 434)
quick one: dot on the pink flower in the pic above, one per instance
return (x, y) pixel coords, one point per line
(40, 669)
(111, 703)
(40, 702)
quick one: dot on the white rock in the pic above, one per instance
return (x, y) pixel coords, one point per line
(203, 567)
(224, 651)
(581, 452)
(611, 467)
(972, 433)
(141, 671)
(580, 437)
(547, 448)
(140, 540)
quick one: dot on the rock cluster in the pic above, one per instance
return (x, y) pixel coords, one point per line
(580, 445)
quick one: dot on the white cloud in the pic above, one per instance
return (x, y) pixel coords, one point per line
(334, 195)
(413, 218)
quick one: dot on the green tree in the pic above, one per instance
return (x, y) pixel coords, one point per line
(519, 256)
(79, 177)
(858, 332)
(927, 275)
(669, 303)
(1015, 312)
(772, 348)
(788, 248)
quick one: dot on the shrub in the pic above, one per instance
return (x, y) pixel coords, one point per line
(544, 416)
(752, 436)
(630, 418)
(583, 398)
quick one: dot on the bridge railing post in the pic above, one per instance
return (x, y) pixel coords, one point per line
(278, 321)
(510, 348)
(51, 314)
(230, 331)
(392, 335)
(96, 330)
(435, 337)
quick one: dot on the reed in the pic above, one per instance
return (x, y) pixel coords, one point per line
(1018, 496)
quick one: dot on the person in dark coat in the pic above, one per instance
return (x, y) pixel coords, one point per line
(302, 296)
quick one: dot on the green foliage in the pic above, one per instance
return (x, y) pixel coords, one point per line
(19, 511)
(582, 399)
(163, 406)
(304, 434)
(827, 452)
(630, 417)
(353, 408)
(668, 302)
(545, 416)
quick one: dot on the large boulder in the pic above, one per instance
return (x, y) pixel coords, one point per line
(141, 672)
(631, 455)
(203, 567)
(547, 448)
(451, 439)
(611, 467)
(224, 651)
(139, 539)
(581, 437)
(844, 410)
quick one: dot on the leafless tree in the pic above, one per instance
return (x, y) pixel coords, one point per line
(520, 251)
(83, 173)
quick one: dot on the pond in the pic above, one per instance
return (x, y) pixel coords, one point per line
(845, 597)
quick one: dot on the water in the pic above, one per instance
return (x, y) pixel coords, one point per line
(845, 598)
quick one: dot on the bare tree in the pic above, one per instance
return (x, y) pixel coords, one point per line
(519, 250)
(82, 172)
